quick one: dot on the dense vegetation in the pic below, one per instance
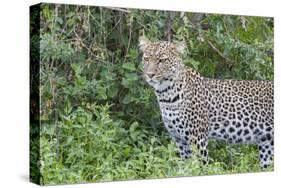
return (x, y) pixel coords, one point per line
(101, 121)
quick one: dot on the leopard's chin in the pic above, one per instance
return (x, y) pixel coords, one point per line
(154, 82)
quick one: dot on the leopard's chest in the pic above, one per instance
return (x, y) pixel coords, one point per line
(175, 105)
(174, 122)
(170, 103)
(173, 114)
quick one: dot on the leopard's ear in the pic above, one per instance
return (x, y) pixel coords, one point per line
(143, 42)
(180, 46)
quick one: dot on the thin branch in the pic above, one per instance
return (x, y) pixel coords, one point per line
(171, 16)
(119, 9)
(219, 52)
(113, 28)
(89, 15)
(57, 10)
(195, 21)
(102, 28)
(169, 27)
(130, 32)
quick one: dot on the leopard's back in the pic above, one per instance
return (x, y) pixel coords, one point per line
(240, 111)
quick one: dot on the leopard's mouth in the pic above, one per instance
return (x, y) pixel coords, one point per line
(153, 79)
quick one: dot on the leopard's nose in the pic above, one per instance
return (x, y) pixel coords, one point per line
(150, 74)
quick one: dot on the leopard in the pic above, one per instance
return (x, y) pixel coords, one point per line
(196, 109)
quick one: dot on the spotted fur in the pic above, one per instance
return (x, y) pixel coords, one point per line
(195, 108)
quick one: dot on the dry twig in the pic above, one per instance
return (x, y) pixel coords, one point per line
(119, 9)
(219, 52)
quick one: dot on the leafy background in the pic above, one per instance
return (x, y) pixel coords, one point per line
(99, 119)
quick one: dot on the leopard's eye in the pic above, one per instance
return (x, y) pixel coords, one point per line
(161, 60)
(145, 58)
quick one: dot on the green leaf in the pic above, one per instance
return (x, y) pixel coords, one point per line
(112, 91)
(129, 66)
(76, 67)
(59, 20)
(69, 140)
(195, 64)
(131, 76)
(127, 99)
(125, 83)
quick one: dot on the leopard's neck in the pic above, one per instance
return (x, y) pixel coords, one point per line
(182, 86)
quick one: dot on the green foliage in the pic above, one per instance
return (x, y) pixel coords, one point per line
(101, 120)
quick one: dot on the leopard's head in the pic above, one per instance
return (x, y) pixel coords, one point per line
(161, 60)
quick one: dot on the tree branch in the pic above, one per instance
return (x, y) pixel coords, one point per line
(119, 9)
(170, 17)
(196, 22)
(219, 52)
